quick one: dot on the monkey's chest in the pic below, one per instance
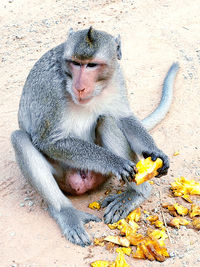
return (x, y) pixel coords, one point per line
(80, 125)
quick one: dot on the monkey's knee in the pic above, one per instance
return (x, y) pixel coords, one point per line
(79, 182)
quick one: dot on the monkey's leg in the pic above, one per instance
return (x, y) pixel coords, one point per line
(38, 171)
(120, 205)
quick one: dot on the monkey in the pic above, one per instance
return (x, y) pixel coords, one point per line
(76, 129)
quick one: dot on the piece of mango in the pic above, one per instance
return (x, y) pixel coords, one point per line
(147, 169)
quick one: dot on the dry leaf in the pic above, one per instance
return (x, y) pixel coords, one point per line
(147, 169)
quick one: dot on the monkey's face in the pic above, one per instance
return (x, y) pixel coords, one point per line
(89, 78)
(90, 59)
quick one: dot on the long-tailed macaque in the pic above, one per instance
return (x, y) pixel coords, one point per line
(77, 129)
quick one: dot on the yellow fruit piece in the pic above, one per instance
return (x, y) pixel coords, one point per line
(147, 169)
(99, 242)
(100, 264)
(134, 215)
(176, 153)
(126, 251)
(146, 212)
(139, 254)
(160, 235)
(123, 241)
(195, 211)
(135, 238)
(120, 261)
(150, 248)
(94, 205)
(181, 210)
(158, 224)
(113, 225)
(182, 186)
(152, 218)
(176, 222)
(196, 223)
(124, 227)
(187, 198)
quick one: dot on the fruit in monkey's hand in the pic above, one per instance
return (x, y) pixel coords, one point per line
(146, 169)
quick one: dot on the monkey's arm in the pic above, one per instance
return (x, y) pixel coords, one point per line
(85, 155)
(141, 142)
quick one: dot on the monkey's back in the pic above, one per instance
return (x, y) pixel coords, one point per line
(43, 94)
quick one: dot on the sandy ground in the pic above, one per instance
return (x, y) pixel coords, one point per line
(154, 34)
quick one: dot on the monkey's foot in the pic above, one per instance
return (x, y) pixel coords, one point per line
(120, 205)
(71, 222)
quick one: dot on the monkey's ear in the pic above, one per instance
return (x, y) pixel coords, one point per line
(118, 42)
(70, 32)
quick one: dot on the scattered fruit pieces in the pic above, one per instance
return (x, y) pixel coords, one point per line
(187, 198)
(94, 205)
(134, 215)
(176, 222)
(119, 262)
(196, 223)
(176, 153)
(160, 235)
(99, 242)
(123, 241)
(158, 224)
(150, 248)
(195, 211)
(126, 251)
(182, 186)
(152, 218)
(147, 169)
(181, 210)
(135, 238)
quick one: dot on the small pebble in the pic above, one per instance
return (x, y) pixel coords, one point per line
(22, 204)
(172, 254)
(30, 203)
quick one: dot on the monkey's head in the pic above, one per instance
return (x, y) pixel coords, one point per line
(89, 60)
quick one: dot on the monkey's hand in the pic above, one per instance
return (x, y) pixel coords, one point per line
(158, 154)
(71, 222)
(122, 168)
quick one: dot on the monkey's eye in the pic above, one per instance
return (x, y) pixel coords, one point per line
(92, 65)
(76, 63)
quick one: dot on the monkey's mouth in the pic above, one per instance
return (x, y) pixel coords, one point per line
(84, 100)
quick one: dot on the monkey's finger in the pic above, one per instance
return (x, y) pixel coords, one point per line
(90, 217)
(108, 200)
(84, 238)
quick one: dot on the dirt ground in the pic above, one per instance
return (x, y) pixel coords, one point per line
(154, 34)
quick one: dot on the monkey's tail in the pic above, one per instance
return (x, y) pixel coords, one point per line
(167, 93)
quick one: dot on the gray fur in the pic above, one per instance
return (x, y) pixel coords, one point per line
(53, 126)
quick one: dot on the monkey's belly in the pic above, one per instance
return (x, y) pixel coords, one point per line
(78, 182)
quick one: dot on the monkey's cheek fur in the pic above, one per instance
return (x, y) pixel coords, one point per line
(78, 183)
